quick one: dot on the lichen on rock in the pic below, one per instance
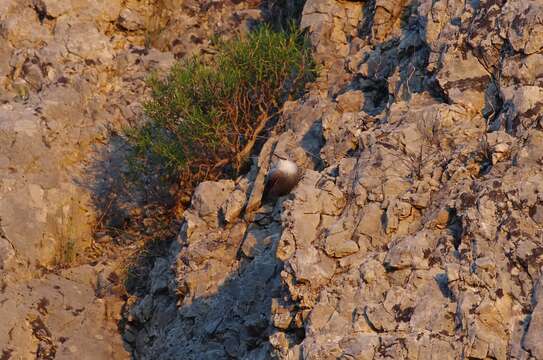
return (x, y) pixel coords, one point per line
(414, 232)
(417, 231)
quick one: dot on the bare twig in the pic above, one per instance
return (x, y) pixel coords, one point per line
(246, 151)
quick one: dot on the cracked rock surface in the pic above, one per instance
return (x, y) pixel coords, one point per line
(415, 232)
(72, 75)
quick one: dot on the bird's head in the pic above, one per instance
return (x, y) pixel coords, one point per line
(287, 167)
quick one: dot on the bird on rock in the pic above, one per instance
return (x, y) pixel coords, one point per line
(281, 179)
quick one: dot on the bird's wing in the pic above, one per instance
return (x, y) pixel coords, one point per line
(273, 178)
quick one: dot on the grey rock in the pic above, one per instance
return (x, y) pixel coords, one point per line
(209, 197)
(464, 79)
(414, 232)
(7, 253)
(234, 205)
(522, 26)
(531, 340)
(41, 312)
(159, 276)
(257, 240)
(351, 101)
(83, 39)
(338, 241)
(131, 20)
(55, 8)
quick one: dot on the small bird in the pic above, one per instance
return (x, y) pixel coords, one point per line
(282, 179)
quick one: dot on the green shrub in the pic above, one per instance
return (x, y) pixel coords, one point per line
(206, 115)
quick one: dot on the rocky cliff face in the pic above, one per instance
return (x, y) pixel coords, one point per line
(72, 74)
(415, 232)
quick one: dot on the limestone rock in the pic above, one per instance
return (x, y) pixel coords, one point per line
(59, 317)
(71, 79)
(55, 8)
(415, 231)
(410, 252)
(8, 253)
(208, 199)
(350, 101)
(386, 18)
(522, 26)
(464, 79)
(536, 323)
(131, 20)
(22, 27)
(234, 205)
(84, 40)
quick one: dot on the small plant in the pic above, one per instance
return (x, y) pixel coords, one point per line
(65, 252)
(66, 256)
(205, 117)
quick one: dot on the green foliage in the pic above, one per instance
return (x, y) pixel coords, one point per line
(66, 235)
(66, 253)
(206, 115)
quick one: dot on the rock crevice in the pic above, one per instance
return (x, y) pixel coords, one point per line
(415, 232)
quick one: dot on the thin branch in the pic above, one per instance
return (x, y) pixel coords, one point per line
(246, 151)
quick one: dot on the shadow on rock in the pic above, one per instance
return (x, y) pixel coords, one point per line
(220, 306)
(135, 213)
